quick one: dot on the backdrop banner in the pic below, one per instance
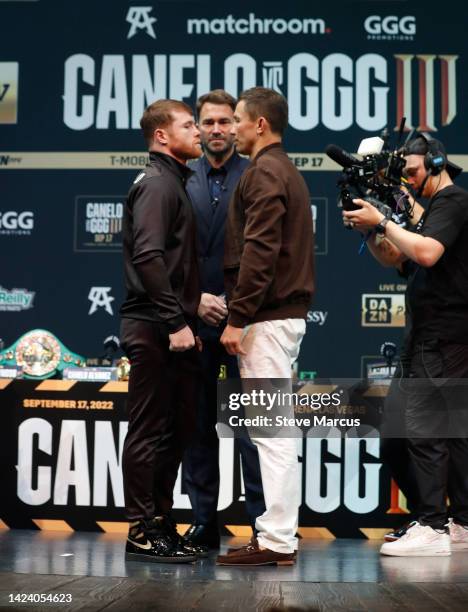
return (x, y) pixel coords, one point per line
(72, 90)
(61, 448)
(74, 80)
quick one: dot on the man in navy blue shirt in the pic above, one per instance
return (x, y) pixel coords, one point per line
(210, 187)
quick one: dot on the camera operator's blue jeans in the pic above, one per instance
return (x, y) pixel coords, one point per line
(436, 447)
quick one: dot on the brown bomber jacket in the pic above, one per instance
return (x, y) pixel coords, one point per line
(269, 245)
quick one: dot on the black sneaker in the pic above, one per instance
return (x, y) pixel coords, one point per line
(169, 527)
(397, 533)
(145, 542)
(205, 535)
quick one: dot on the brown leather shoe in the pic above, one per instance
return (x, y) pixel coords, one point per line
(237, 549)
(253, 555)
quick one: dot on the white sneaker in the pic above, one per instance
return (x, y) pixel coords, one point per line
(419, 541)
(458, 536)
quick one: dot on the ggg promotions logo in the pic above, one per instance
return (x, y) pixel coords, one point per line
(390, 28)
(98, 223)
(383, 310)
(13, 223)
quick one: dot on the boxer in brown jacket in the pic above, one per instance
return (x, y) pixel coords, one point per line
(269, 279)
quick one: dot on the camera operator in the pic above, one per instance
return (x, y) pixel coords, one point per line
(394, 450)
(437, 344)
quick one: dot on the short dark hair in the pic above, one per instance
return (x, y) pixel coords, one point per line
(217, 96)
(159, 115)
(416, 146)
(423, 144)
(268, 103)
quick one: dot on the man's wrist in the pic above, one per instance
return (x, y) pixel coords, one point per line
(236, 320)
(176, 324)
(381, 226)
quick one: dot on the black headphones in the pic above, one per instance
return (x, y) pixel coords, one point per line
(435, 159)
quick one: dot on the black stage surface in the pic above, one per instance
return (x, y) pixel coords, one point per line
(329, 575)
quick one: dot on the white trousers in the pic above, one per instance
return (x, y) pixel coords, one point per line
(272, 347)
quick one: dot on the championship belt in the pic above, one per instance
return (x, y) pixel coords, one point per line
(40, 355)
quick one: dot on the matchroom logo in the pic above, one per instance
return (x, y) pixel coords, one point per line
(9, 92)
(383, 310)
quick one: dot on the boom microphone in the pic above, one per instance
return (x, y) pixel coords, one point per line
(341, 157)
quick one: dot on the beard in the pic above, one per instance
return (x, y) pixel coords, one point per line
(218, 151)
(186, 151)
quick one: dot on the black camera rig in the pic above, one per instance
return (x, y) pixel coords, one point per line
(377, 177)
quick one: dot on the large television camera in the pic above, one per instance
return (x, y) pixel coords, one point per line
(376, 176)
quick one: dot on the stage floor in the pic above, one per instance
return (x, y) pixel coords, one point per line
(329, 575)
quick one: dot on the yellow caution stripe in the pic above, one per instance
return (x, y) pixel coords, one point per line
(119, 527)
(115, 386)
(52, 525)
(113, 526)
(321, 533)
(240, 531)
(373, 533)
(55, 385)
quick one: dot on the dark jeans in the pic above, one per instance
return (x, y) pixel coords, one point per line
(435, 410)
(161, 408)
(201, 461)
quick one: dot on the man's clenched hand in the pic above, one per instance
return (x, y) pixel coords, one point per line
(232, 340)
(181, 340)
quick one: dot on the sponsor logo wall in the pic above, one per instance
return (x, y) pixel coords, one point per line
(64, 189)
(77, 474)
(68, 157)
(340, 88)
